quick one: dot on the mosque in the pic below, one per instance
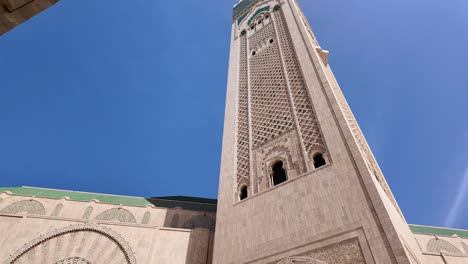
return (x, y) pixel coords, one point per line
(298, 181)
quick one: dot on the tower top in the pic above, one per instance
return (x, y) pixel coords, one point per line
(242, 7)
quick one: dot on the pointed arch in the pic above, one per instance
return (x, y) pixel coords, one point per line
(122, 244)
(88, 212)
(438, 245)
(146, 218)
(57, 210)
(27, 206)
(258, 12)
(465, 247)
(117, 214)
(301, 260)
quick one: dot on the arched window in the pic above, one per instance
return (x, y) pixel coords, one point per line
(279, 174)
(243, 193)
(319, 161)
(242, 33)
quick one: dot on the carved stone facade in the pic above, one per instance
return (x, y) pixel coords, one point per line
(272, 101)
(60, 227)
(291, 139)
(298, 184)
(346, 252)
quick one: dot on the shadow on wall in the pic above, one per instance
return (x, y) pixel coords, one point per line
(196, 214)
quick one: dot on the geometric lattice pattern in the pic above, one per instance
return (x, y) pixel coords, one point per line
(28, 206)
(270, 106)
(243, 148)
(117, 214)
(272, 94)
(57, 210)
(88, 212)
(439, 245)
(306, 118)
(146, 218)
(74, 260)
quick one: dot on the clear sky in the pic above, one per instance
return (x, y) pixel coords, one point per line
(128, 97)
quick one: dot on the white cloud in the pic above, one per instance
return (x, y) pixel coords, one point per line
(459, 201)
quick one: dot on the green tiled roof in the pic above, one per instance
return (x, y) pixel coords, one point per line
(188, 203)
(430, 230)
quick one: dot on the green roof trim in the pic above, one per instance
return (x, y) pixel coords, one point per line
(241, 7)
(243, 17)
(259, 11)
(188, 203)
(440, 231)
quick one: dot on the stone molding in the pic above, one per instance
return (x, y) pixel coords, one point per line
(109, 233)
(303, 260)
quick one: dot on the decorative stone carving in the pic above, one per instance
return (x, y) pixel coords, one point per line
(272, 100)
(117, 214)
(88, 212)
(25, 206)
(57, 210)
(301, 260)
(345, 252)
(437, 245)
(307, 122)
(465, 247)
(243, 137)
(284, 148)
(73, 260)
(270, 108)
(146, 218)
(107, 232)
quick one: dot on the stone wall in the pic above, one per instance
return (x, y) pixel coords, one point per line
(45, 230)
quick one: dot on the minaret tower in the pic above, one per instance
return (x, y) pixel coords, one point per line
(298, 181)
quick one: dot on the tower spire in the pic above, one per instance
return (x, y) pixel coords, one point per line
(297, 176)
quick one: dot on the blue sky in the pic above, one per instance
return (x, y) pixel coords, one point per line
(129, 98)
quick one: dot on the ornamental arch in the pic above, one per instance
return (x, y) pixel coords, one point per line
(96, 244)
(25, 206)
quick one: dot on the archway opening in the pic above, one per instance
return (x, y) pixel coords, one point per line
(279, 174)
(319, 161)
(243, 193)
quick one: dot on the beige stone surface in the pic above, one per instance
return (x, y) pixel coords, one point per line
(42, 234)
(315, 209)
